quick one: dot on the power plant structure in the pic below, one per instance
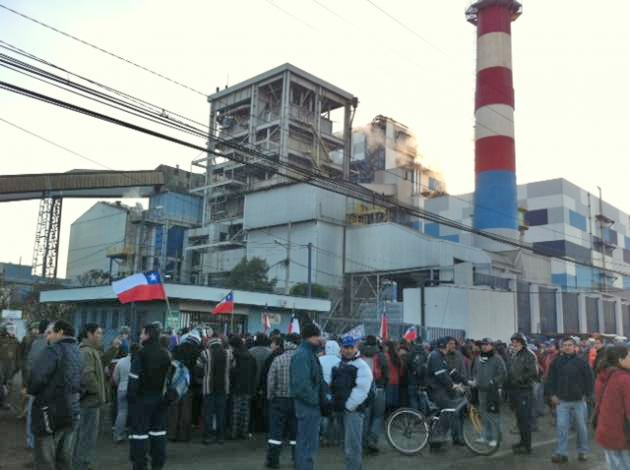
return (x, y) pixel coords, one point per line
(495, 201)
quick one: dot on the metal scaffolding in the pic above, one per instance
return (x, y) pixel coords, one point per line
(46, 249)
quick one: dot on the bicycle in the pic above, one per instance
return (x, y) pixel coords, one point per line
(409, 430)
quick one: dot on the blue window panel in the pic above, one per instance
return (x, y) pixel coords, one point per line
(416, 225)
(175, 242)
(495, 200)
(564, 280)
(538, 217)
(610, 236)
(451, 238)
(627, 242)
(577, 220)
(432, 229)
(626, 256)
(584, 276)
(434, 184)
(626, 282)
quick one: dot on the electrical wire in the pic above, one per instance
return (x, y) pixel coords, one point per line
(104, 51)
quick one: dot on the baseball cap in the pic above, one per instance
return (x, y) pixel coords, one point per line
(348, 342)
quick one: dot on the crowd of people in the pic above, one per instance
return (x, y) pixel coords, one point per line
(303, 390)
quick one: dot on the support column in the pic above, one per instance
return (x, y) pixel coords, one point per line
(559, 311)
(619, 317)
(582, 313)
(534, 307)
(600, 315)
(347, 136)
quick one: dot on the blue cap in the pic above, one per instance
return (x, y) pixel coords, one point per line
(348, 342)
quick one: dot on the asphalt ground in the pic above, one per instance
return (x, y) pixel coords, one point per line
(249, 454)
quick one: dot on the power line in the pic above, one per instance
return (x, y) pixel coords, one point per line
(302, 175)
(104, 51)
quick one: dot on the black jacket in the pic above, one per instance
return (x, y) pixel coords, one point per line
(187, 353)
(522, 370)
(244, 373)
(55, 382)
(439, 377)
(149, 368)
(570, 378)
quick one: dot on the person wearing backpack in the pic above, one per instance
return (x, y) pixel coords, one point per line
(372, 354)
(55, 386)
(351, 386)
(148, 405)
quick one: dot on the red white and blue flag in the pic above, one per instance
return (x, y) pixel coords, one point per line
(411, 334)
(266, 323)
(140, 287)
(294, 325)
(225, 306)
(384, 329)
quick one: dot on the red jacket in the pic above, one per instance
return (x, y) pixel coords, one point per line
(614, 408)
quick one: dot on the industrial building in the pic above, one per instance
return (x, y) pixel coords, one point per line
(120, 240)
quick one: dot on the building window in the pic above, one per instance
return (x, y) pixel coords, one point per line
(538, 217)
(115, 319)
(434, 184)
(577, 220)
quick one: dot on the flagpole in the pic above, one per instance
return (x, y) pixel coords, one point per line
(168, 304)
(232, 323)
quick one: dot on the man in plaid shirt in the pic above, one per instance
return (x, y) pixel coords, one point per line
(282, 410)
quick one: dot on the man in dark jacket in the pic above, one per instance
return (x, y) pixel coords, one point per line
(55, 384)
(39, 344)
(260, 352)
(243, 387)
(305, 386)
(570, 385)
(522, 374)
(147, 403)
(180, 413)
(444, 383)
(375, 358)
(489, 374)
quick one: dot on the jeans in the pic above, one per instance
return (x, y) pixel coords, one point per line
(617, 459)
(308, 422)
(522, 401)
(240, 415)
(539, 399)
(87, 437)
(392, 395)
(491, 421)
(353, 436)
(120, 425)
(55, 452)
(331, 429)
(283, 425)
(563, 422)
(374, 420)
(214, 409)
(30, 438)
(148, 416)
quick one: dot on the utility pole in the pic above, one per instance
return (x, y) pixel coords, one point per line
(287, 271)
(309, 289)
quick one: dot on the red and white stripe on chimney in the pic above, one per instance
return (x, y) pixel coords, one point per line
(496, 202)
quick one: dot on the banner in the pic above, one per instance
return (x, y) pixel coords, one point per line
(358, 332)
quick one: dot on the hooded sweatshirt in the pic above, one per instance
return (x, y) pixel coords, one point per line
(331, 359)
(612, 393)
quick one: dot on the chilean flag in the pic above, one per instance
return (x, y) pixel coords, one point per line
(411, 334)
(384, 332)
(139, 287)
(266, 322)
(294, 325)
(225, 306)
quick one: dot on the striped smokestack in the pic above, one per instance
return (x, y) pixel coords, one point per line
(495, 208)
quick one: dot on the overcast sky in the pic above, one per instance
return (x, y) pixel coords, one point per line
(571, 73)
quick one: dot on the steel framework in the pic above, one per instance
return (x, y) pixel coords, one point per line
(46, 249)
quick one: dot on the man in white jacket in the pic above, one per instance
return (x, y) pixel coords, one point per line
(351, 385)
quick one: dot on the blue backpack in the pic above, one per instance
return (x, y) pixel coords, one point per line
(178, 381)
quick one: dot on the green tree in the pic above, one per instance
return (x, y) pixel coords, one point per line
(250, 275)
(317, 290)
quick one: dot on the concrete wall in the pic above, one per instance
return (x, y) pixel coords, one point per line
(478, 311)
(91, 235)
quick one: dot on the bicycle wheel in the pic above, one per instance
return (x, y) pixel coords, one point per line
(474, 435)
(407, 431)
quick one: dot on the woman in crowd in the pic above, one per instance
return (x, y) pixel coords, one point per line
(612, 399)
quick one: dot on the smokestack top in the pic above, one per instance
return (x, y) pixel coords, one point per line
(472, 13)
